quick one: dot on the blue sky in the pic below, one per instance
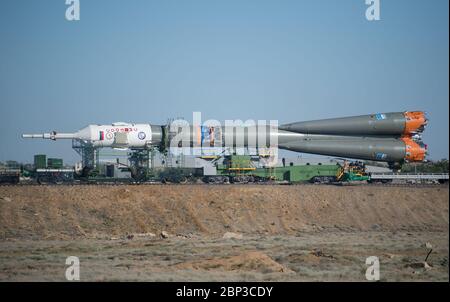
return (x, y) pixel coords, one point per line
(147, 61)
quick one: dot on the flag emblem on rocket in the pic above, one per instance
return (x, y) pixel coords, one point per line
(141, 135)
(101, 135)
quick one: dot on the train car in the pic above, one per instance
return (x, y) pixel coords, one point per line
(54, 176)
(9, 176)
(240, 169)
(317, 173)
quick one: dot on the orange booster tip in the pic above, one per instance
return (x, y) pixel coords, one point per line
(415, 122)
(414, 151)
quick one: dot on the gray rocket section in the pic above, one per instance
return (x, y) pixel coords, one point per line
(373, 124)
(390, 150)
(360, 147)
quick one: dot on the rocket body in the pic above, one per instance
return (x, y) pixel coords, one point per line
(389, 137)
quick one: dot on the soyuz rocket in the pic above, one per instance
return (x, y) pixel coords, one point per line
(389, 137)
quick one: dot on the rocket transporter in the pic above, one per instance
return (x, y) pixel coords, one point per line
(388, 137)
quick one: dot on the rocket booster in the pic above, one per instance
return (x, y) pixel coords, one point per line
(387, 150)
(388, 137)
(381, 124)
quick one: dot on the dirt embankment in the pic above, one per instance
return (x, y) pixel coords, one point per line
(91, 211)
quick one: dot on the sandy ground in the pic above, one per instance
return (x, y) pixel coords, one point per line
(289, 233)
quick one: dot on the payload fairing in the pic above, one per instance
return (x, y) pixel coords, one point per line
(388, 137)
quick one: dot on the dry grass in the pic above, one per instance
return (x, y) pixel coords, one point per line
(291, 233)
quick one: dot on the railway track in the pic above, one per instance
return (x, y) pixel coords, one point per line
(362, 184)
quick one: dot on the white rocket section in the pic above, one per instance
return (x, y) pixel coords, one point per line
(116, 135)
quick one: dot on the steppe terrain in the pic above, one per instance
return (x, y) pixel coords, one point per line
(176, 232)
